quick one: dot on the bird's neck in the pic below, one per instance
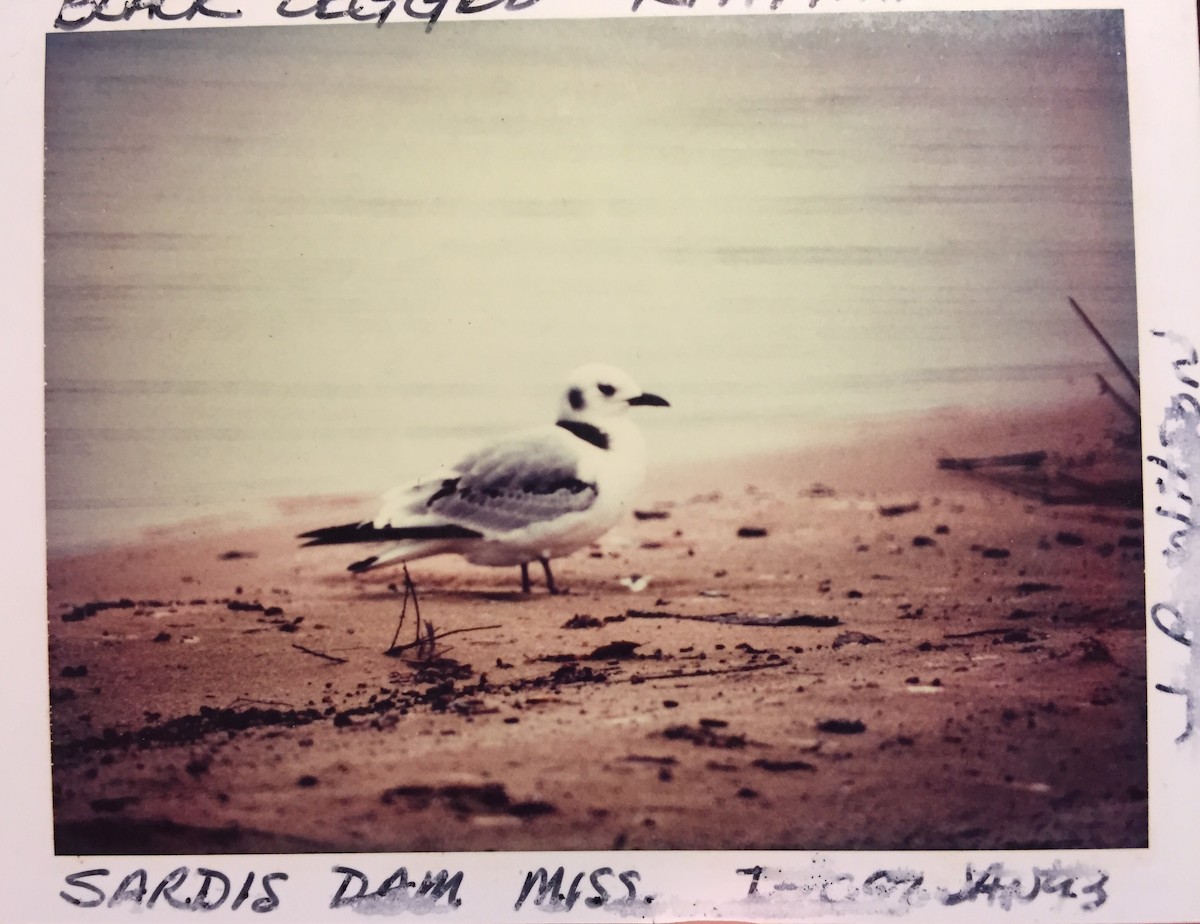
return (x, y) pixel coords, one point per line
(612, 434)
(588, 432)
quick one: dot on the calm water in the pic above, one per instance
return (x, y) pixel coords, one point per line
(302, 260)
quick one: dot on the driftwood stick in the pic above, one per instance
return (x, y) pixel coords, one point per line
(1107, 346)
(1122, 403)
(1118, 492)
(969, 464)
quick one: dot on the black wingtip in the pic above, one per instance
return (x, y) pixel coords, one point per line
(366, 532)
(364, 565)
(328, 535)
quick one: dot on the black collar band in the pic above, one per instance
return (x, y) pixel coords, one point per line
(586, 432)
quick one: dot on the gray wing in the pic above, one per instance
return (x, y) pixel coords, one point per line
(513, 484)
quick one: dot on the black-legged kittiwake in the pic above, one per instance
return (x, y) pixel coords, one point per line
(533, 496)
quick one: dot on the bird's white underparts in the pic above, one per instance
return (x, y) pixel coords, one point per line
(532, 496)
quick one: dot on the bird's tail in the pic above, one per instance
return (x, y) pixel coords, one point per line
(405, 551)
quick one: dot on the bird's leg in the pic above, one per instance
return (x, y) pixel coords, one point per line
(525, 585)
(550, 585)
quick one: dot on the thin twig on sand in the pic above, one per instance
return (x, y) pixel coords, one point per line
(320, 654)
(431, 638)
(743, 669)
(742, 619)
(979, 632)
(242, 702)
(410, 590)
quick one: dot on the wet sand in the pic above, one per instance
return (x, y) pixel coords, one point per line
(840, 648)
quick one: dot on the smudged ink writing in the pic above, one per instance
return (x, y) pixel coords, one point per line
(178, 889)
(397, 892)
(997, 886)
(690, 4)
(896, 891)
(75, 14)
(892, 890)
(550, 896)
(378, 11)
(1179, 440)
(775, 4)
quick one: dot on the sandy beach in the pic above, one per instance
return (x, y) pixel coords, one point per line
(841, 648)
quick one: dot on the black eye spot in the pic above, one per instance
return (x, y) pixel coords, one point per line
(575, 397)
(607, 390)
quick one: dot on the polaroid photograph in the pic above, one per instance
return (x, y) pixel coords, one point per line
(657, 461)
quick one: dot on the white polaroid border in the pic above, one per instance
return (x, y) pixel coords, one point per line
(1154, 884)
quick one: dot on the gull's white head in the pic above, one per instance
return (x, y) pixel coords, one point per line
(596, 391)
